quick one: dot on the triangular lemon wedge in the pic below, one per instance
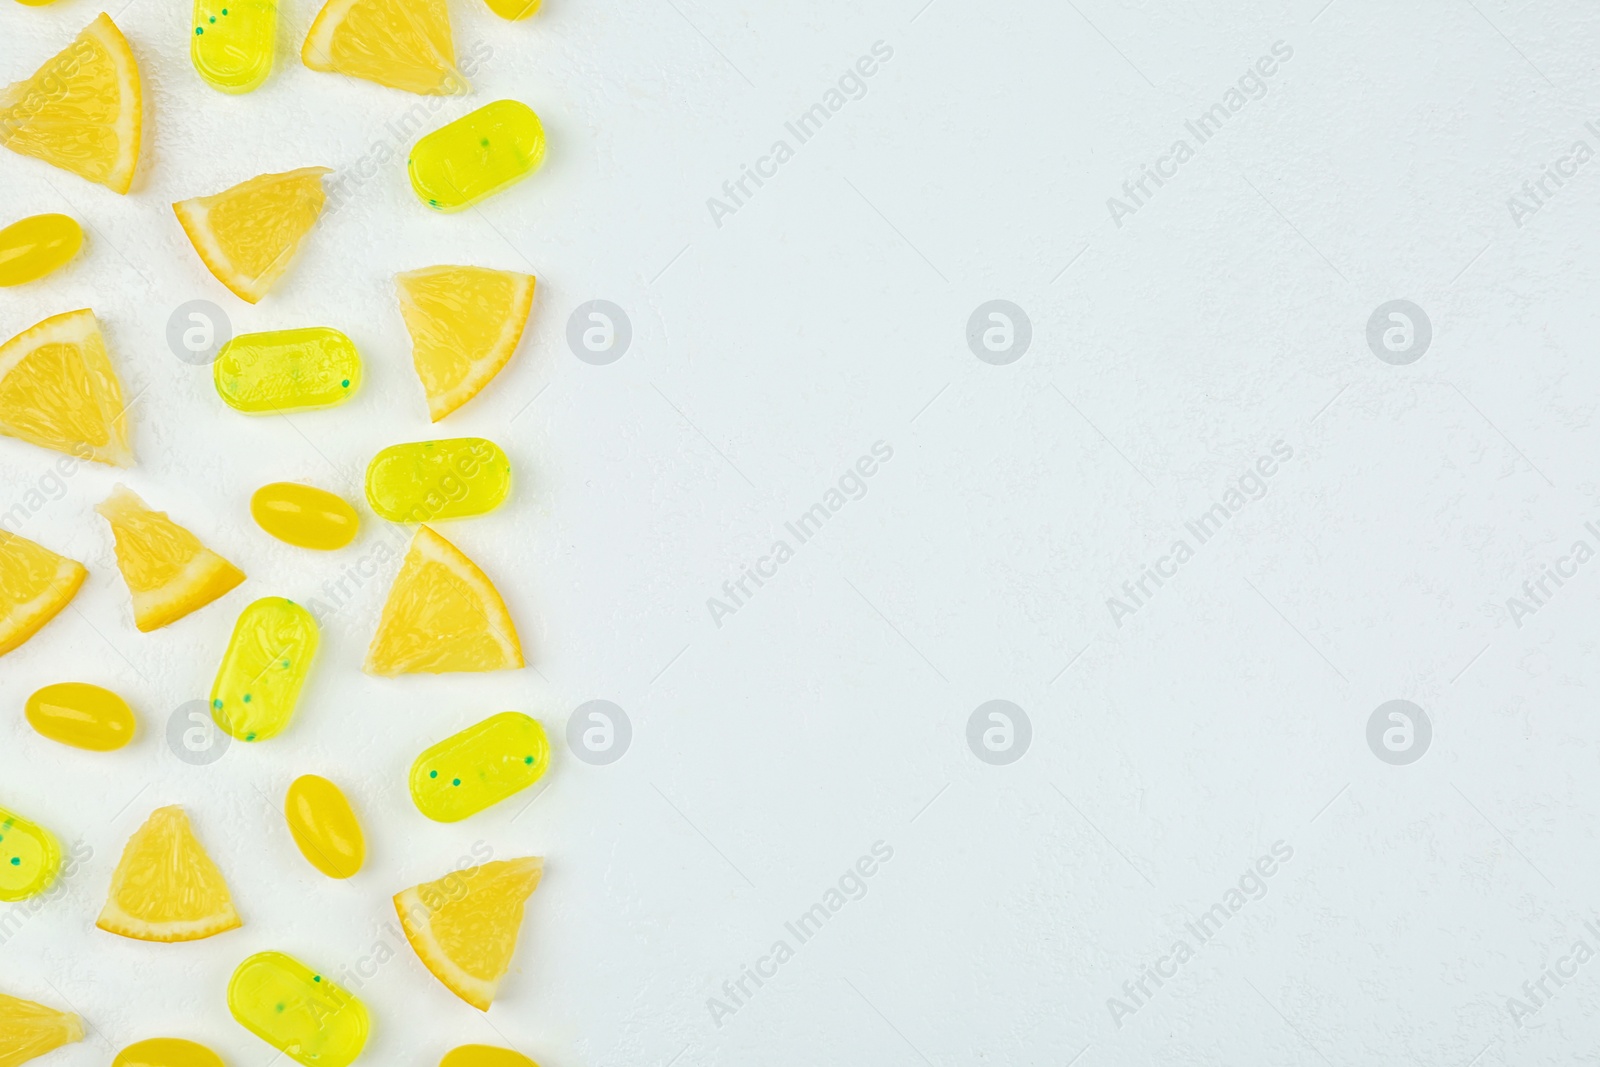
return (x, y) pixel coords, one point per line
(465, 323)
(29, 1030)
(443, 614)
(404, 44)
(464, 926)
(82, 110)
(247, 235)
(168, 571)
(165, 887)
(58, 390)
(35, 584)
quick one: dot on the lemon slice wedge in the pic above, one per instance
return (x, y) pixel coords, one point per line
(464, 926)
(168, 571)
(58, 390)
(248, 235)
(465, 323)
(82, 110)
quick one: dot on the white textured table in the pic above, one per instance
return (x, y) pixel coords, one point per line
(1182, 740)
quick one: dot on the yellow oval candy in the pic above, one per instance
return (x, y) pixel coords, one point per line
(287, 370)
(297, 1011)
(512, 10)
(30, 856)
(37, 245)
(484, 1056)
(233, 42)
(81, 715)
(429, 480)
(264, 668)
(480, 766)
(304, 516)
(477, 155)
(167, 1052)
(324, 827)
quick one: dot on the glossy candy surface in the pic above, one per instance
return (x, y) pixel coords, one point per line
(324, 827)
(81, 715)
(480, 766)
(264, 668)
(485, 1056)
(167, 1052)
(429, 480)
(233, 41)
(477, 155)
(30, 856)
(304, 516)
(287, 370)
(37, 245)
(512, 10)
(297, 1011)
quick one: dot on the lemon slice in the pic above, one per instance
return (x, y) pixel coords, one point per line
(58, 390)
(465, 323)
(404, 44)
(464, 926)
(28, 1030)
(165, 887)
(81, 111)
(442, 615)
(168, 571)
(35, 584)
(247, 235)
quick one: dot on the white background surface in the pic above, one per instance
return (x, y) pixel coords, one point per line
(830, 712)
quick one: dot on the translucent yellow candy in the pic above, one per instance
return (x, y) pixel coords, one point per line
(324, 827)
(304, 515)
(30, 856)
(264, 668)
(477, 155)
(428, 480)
(298, 1011)
(37, 245)
(167, 1052)
(81, 715)
(482, 1056)
(287, 370)
(233, 42)
(479, 767)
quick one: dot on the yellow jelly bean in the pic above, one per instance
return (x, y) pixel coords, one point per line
(264, 668)
(233, 42)
(429, 480)
(30, 856)
(167, 1052)
(81, 715)
(482, 1056)
(304, 515)
(297, 1011)
(323, 826)
(480, 766)
(514, 9)
(37, 245)
(287, 370)
(477, 155)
